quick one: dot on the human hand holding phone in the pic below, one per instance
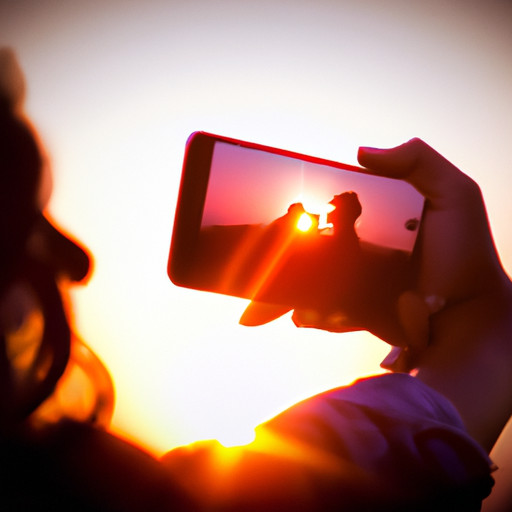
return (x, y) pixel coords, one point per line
(455, 259)
(290, 231)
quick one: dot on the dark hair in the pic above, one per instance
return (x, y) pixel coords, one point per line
(20, 172)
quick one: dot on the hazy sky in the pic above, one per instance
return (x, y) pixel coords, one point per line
(115, 88)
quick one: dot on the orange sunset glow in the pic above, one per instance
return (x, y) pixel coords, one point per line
(305, 222)
(114, 90)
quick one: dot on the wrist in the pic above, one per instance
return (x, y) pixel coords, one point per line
(469, 359)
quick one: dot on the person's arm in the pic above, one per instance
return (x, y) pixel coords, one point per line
(469, 353)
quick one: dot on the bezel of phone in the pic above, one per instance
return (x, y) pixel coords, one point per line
(185, 262)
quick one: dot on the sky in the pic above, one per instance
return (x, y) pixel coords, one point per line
(116, 87)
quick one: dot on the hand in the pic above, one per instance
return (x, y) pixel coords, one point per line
(455, 257)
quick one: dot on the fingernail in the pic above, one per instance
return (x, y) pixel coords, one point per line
(369, 149)
(305, 318)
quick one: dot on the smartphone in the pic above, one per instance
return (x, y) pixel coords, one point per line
(284, 228)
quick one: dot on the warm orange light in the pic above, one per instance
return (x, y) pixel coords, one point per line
(324, 212)
(305, 222)
(315, 206)
(237, 437)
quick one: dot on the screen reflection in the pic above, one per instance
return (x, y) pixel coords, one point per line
(284, 230)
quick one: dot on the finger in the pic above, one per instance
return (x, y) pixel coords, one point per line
(332, 322)
(414, 314)
(260, 313)
(458, 256)
(399, 360)
(424, 168)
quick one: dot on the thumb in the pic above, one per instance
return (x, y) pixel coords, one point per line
(414, 312)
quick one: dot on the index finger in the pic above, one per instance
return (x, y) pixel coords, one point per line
(458, 254)
(424, 168)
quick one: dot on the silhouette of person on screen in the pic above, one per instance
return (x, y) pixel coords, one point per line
(347, 210)
(292, 216)
(335, 278)
(289, 228)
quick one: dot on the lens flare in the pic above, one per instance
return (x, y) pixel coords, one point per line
(305, 222)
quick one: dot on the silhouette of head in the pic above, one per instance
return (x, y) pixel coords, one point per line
(347, 210)
(20, 168)
(22, 226)
(296, 210)
(34, 253)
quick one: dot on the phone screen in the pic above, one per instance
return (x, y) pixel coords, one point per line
(289, 229)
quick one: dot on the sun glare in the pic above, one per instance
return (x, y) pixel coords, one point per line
(323, 213)
(314, 207)
(305, 222)
(237, 437)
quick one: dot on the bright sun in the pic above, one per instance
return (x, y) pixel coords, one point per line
(313, 207)
(305, 222)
